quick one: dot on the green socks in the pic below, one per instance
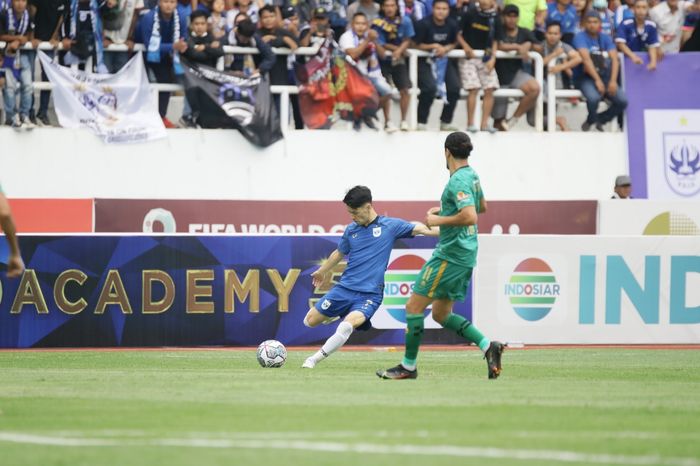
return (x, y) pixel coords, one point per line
(414, 334)
(466, 330)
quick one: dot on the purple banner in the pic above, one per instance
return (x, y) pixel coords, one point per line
(673, 86)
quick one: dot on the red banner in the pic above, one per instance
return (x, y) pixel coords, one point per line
(52, 215)
(292, 217)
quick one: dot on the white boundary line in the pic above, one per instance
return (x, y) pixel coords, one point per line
(338, 447)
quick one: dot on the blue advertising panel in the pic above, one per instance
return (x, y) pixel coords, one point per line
(97, 291)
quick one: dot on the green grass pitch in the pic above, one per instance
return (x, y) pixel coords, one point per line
(550, 407)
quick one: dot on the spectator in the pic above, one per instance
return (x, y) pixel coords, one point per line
(368, 7)
(532, 13)
(564, 13)
(554, 48)
(693, 42)
(247, 7)
(245, 35)
(162, 31)
(203, 48)
(204, 5)
(16, 29)
(394, 36)
(291, 20)
(480, 29)
(638, 35)
(581, 7)
(669, 17)
(624, 11)
(318, 31)
(510, 72)
(360, 43)
(217, 20)
(83, 34)
(437, 34)
(48, 16)
(337, 14)
(414, 9)
(606, 17)
(119, 29)
(623, 187)
(597, 77)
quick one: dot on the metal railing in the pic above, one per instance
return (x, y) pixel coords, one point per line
(286, 91)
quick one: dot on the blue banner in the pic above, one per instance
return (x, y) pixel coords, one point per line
(107, 291)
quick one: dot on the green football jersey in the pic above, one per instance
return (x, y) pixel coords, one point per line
(458, 244)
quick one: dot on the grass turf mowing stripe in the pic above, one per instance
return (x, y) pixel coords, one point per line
(338, 447)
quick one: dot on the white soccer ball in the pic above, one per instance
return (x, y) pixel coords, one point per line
(272, 353)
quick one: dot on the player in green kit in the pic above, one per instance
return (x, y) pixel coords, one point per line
(445, 277)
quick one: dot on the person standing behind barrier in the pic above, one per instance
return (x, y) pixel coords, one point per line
(368, 7)
(533, 13)
(414, 9)
(394, 36)
(437, 34)
(245, 35)
(639, 35)
(563, 12)
(16, 28)
(555, 48)
(162, 31)
(669, 17)
(48, 16)
(511, 74)
(597, 77)
(337, 14)
(119, 29)
(480, 28)
(623, 187)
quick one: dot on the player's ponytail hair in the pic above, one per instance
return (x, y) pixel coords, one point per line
(459, 145)
(357, 197)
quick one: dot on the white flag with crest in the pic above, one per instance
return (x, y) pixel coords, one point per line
(117, 107)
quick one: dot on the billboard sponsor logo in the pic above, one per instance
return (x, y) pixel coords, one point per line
(268, 229)
(532, 289)
(671, 223)
(682, 162)
(162, 217)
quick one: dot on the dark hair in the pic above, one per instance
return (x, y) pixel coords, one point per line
(359, 13)
(198, 14)
(459, 145)
(246, 28)
(269, 9)
(435, 2)
(551, 23)
(357, 197)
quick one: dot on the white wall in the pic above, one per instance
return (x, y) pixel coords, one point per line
(308, 165)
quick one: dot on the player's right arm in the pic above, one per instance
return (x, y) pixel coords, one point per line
(320, 276)
(15, 265)
(465, 217)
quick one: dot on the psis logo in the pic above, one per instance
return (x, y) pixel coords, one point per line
(532, 289)
(399, 279)
(682, 162)
(159, 216)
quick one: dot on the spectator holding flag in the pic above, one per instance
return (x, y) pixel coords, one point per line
(119, 25)
(639, 35)
(83, 34)
(245, 35)
(162, 31)
(16, 29)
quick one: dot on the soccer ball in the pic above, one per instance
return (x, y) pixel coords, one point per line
(272, 353)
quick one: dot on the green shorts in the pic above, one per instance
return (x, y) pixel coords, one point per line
(440, 279)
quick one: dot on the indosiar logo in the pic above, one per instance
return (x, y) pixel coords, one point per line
(532, 289)
(398, 284)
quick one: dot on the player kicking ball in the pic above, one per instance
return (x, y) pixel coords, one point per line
(445, 277)
(367, 242)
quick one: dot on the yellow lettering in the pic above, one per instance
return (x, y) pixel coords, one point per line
(283, 288)
(113, 292)
(148, 306)
(249, 288)
(195, 290)
(29, 292)
(59, 291)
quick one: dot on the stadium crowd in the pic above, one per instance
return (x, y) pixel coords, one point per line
(583, 40)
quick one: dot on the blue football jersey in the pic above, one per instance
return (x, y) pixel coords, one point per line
(368, 250)
(636, 40)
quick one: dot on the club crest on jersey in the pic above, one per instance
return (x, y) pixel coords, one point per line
(325, 304)
(377, 232)
(461, 196)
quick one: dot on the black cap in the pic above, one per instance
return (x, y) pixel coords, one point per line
(511, 9)
(288, 12)
(320, 13)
